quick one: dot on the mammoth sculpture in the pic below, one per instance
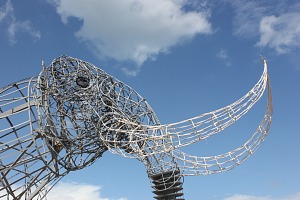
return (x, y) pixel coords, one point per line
(65, 118)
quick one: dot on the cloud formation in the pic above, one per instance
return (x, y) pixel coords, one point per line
(276, 23)
(281, 33)
(247, 16)
(14, 26)
(5, 10)
(250, 197)
(223, 55)
(133, 30)
(246, 197)
(76, 191)
(70, 191)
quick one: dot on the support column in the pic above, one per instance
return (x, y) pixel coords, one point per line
(167, 185)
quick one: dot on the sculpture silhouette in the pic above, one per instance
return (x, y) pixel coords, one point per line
(71, 113)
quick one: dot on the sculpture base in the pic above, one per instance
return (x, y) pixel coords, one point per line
(167, 185)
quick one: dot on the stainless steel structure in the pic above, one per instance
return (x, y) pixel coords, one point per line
(71, 113)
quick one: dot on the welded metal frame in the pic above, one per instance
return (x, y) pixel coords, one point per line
(71, 113)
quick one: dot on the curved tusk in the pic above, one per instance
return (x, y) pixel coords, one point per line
(205, 125)
(162, 138)
(193, 165)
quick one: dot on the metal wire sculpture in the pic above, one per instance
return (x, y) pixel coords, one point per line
(71, 113)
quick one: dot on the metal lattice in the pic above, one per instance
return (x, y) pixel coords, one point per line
(66, 118)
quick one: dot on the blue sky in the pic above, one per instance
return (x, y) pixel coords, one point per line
(186, 57)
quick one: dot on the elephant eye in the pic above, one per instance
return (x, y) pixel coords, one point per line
(83, 82)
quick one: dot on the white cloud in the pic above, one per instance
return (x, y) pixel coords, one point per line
(246, 197)
(70, 191)
(293, 197)
(76, 191)
(250, 197)
(5, 10)
(25, 26)
(276, 23)
(281, 33)
(249, 13)
(133, 30)
(247, 16)
(223, 55)
(15, 26)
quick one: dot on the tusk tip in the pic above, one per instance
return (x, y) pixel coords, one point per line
(262, 59)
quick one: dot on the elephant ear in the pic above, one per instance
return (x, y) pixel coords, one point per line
(26, 165)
